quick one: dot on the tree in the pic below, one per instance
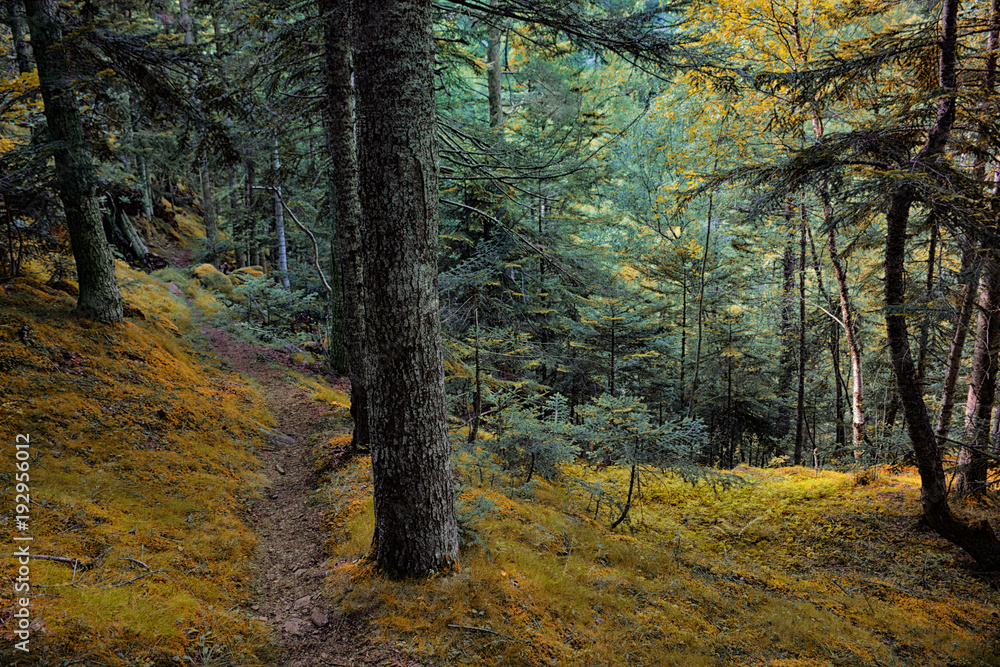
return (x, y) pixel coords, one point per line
(99, 298)
(347, 235)
(978, 539)
(416, 530)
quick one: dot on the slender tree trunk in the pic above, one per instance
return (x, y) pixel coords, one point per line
(416, 531)
(701, 306)
(800, 403)
(969, 274)
(18, 33)
(628, 500)
(99, 298)
(977, 539)
(840, 435)
(187, 25)
(477, 396)
(684, 317)
(208, 207)
(785, 370)
(973, 458)
(343, 151)
(925, 321)
(858, 417)
(279, 220)
(494, 67)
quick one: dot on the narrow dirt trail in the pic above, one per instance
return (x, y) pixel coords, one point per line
(290, 557)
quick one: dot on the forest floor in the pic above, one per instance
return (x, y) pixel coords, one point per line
(290, 558)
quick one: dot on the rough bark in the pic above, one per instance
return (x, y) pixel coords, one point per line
(99, 298)
(977, 539)
(416, 531)
(347, 236)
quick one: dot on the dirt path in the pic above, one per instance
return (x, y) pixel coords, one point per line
(290, 556)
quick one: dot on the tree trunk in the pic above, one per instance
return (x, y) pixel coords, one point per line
(416, 531)
(187, 25)
(494, 70)
(208, 208)
(925, 320)
(969, 273)
(800, 403)
(977, 539)
(279, 221)
(701, 306)
(347, 236)
(858, 418)
(477, 396)
(973, 458)
(18, 32)
(99, 298)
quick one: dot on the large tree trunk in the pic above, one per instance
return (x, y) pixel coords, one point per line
(973, 458)
(978, 539)
(347, 236)
(99, 298)
(415, 522)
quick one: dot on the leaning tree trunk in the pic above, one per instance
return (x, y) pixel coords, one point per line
(347, 236)
(99, 298)
(977, 539)
(415, 521)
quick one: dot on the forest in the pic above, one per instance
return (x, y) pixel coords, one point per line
(508, 332)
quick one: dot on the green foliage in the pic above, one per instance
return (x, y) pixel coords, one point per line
(531, 439)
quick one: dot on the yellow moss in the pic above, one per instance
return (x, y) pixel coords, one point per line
(213, 279)
(789, 570)
(142, 452)
(190, 227)
(241, 274)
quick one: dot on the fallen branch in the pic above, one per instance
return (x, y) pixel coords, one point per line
(75, 562)
(138, 562)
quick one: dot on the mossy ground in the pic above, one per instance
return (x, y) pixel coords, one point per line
(792, 569)
(142, 466)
